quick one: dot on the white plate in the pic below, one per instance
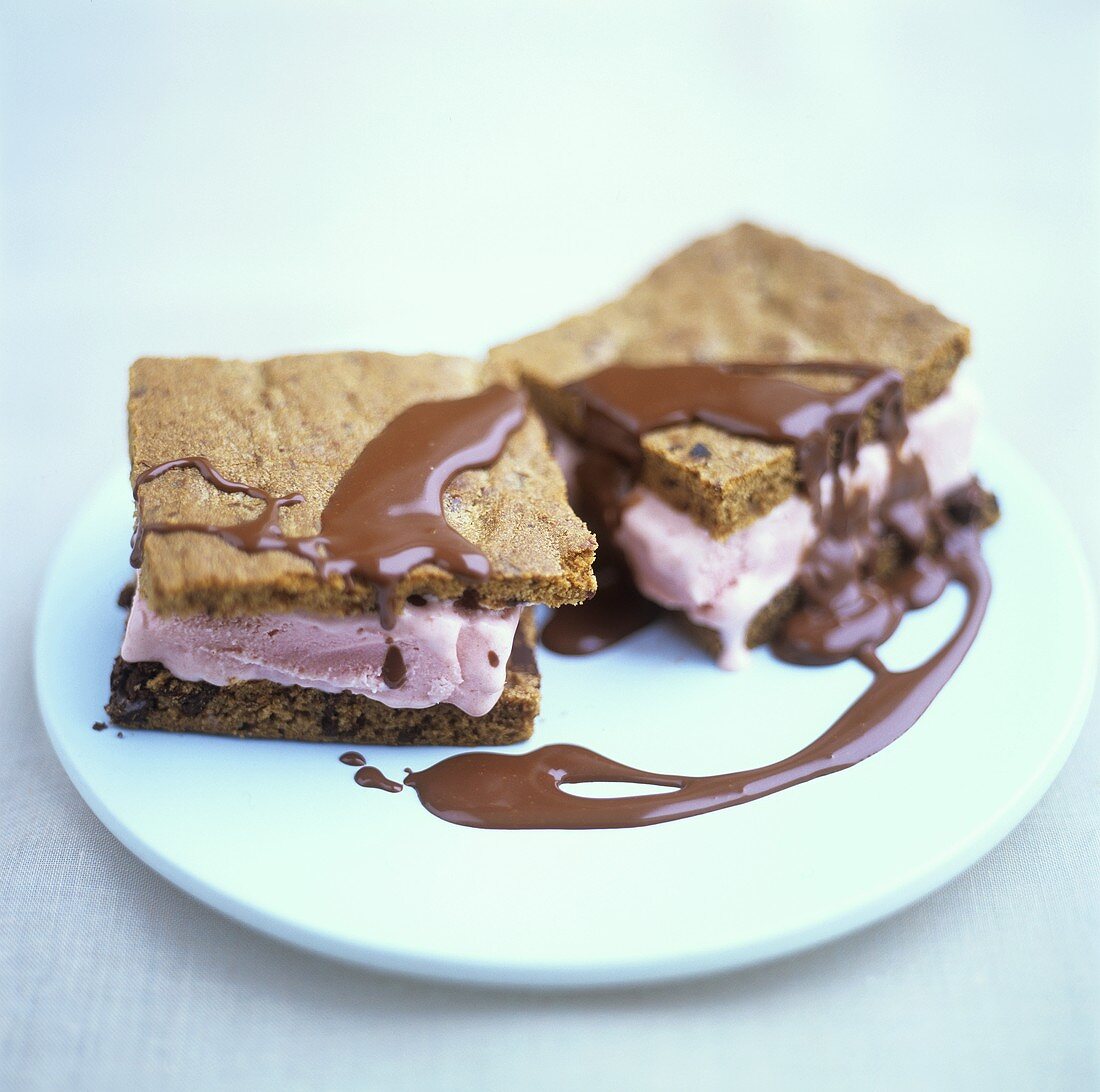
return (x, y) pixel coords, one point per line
(277, 834)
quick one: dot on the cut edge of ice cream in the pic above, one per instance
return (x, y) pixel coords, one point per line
(448, 653)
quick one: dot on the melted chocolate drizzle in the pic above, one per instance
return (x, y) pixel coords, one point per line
(753, 400)
(371, 777)
(845, 610)
(501, 791)
(385, 516)
(841, 610)
(616, 611)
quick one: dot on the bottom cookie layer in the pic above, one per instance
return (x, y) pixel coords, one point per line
(147, 695)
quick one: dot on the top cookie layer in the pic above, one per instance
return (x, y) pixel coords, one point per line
(746, 294)
(295, 425)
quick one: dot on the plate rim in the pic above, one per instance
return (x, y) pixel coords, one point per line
(861, 913)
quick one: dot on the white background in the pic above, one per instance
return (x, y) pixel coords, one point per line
(257, 178)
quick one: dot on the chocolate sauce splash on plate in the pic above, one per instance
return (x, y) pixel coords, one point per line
(524, 792)
(385, 516)
(369, 777)
(616, 611)
(846, 610)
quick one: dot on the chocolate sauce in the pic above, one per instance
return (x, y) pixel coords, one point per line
(494, 659)
(840, 610)
(370, 777)
(756, 401)
(971, 504)
(845, 610)
(514, 792)
(522, 657)
(394, 672)
(385, 516)
(616, 611)
(253, 536)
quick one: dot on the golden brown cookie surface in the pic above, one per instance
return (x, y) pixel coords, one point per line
(745, 294)
(294, 425)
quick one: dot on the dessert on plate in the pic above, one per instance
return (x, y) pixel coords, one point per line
(344, 546)
(767, 439)
(744, 415)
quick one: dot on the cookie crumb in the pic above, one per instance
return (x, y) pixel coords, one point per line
(99, 726)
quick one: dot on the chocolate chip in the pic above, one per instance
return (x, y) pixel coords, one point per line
(963, 511)
(700, 451)
(969, 504)
(469, 600)
(195, 702)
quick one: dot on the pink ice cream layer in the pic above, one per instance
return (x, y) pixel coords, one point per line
(452, 654)
(723, 583)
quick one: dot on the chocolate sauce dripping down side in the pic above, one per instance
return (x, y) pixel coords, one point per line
(502, 791)
(764, 402)
(385, 516)
(757, 401)
(845, 610)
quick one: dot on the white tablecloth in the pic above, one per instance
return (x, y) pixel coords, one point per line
(254, 178)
